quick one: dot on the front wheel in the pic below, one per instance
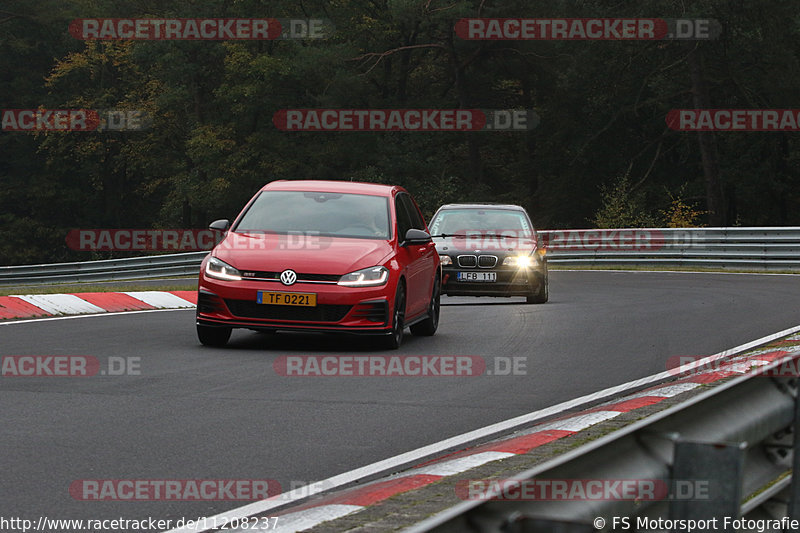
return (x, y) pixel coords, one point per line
(395, 338)
(427, 327)
(212, 335)
(541, 295)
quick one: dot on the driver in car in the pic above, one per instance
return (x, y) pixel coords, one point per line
(365, 220)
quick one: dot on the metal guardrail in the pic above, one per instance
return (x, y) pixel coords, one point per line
(740, 437)
(740, 248)
(726, 248)
(155, 266)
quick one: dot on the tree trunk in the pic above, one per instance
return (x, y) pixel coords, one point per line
(530, 140)
(708, 147)
(464, 102)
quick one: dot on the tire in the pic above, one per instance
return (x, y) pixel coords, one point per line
(542, 295)
(212, 335)
(427, 327)
(395, 338)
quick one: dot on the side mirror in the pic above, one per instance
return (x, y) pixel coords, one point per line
(416, 236)
(220, 225)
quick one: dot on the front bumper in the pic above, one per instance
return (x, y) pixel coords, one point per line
(511, 281)
(339, 309)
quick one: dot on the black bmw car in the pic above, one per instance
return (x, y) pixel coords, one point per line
(489, 250)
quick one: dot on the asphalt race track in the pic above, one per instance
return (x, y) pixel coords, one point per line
(203, 413)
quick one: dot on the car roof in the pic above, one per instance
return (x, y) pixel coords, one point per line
(352, 187)
(484, 205)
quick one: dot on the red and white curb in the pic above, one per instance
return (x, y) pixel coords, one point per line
(335, 505)
(48, 305)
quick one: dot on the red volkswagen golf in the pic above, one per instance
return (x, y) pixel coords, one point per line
(322, 256)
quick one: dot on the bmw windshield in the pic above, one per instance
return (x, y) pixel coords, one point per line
(482, 221)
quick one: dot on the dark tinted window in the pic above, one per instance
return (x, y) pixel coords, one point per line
(403, 218)
(413, 212)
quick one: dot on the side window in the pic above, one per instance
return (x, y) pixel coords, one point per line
(416, 218)
(403, 220)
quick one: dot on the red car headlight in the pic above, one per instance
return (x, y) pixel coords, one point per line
(366, 277)
(218, 269)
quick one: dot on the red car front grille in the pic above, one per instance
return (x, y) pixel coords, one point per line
(289, 313)
(263, 274)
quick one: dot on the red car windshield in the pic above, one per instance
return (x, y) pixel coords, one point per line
(323, 213)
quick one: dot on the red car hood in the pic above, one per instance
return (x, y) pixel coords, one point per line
(312, 255)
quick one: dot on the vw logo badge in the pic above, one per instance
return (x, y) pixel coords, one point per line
(288, 277)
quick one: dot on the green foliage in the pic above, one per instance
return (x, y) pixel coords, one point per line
(212, 143)
(623, 207)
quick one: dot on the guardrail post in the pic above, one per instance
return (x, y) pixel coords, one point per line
(717, 467)
(794, 491)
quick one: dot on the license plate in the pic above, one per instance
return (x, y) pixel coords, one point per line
(477, 276)
(287, 298)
